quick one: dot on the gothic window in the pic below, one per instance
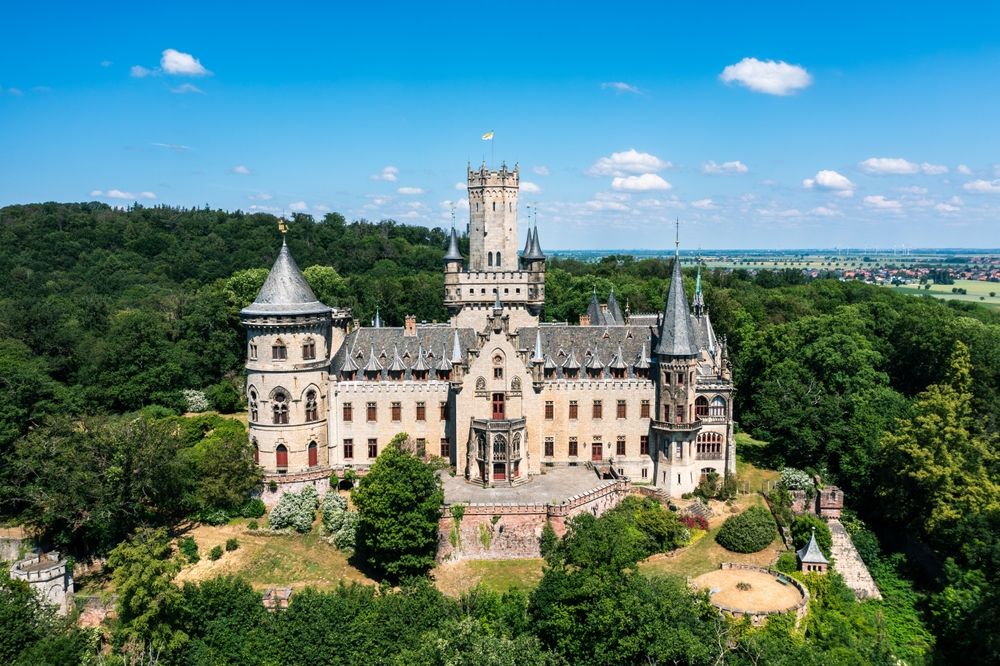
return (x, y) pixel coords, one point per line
(280, 408)
(254, 413)
(279, 352)
(709, 444)
(281, 456)
(309, 349)
(481, 447)
(598, 409)
(443, 407)
(701, 406)
(253, 351)
(489, 258)
(574, 409)
(549, 410)
(498, 258)
(372, 409)
(516, 445)
(497, 373)
(620, 446)
(499, 447)
(312, 406)
(445, 448)
(718, 406)
(313, 454)
(498, 406)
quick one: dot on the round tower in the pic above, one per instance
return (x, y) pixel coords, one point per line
(289, 342)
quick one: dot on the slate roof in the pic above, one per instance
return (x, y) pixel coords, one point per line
(811, 553)
(285, 291)
(571, 347)
(377, 349)
(676, 333)
(532, 250)
(453, 252)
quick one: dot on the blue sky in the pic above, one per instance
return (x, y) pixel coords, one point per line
(799, 125)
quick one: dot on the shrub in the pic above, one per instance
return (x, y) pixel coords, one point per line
(748, 532)
(215, 553)
(224, 397)
(787, 562)
(781, 505)
(708, 487)
(212, 517)
(272, 486)
(743, 586)
(253, 508)
(195, 400)
(189, 548)
(338, 522)
(232, 544)
(346, 536)
(795, 479)
(295, 510)
(252, 525)
(802, 528)
(695, 522)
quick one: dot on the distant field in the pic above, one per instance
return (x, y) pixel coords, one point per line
(978, 292)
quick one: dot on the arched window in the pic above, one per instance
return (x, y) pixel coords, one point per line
(309, 349)
(254, 413)
(701, 406)
(279, 352)
(312, 407)
(709, 444)
(498, 258)
(718, 406)
(280, 408)
(313, 454)
(499, 447)
(489, 258)
(481, 447)
(516, 445)
(281, 456)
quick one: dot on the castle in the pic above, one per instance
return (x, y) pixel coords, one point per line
(495, 391)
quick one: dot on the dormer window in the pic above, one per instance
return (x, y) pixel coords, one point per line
(279, 352)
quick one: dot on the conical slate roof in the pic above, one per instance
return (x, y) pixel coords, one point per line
(571, 363)
(538, 356)
(615, 310)
(676, 332)
(594, 311)
(533, 250)
(397, 363)
(811, 553)
(444, 365)
(453, 252)
(527, 245)
(456, 350)
(285, 291)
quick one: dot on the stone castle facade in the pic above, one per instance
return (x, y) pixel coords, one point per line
(496, 391)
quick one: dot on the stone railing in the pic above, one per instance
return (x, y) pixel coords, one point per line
(756, 617)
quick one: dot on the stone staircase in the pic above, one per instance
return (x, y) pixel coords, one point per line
(848, 563)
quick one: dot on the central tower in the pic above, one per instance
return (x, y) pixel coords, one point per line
(493, 219)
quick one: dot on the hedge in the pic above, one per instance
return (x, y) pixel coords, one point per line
(749, 532)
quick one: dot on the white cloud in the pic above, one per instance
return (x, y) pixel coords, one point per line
(643, 183)
(626, 162)
(946, 208)
(181, 64)
(912, 189)
(185, 88)
(825, 211)
(933, 169)
(261, 196)
(879, 201)
(241, 170)
(767, 76)
(140, 72)
(411, 190)
(298, 206)
(772, 212)
(704, 204)
(530, 188)
(106, 63)
(540, 170)
(964, 170)
(880, 165)
(603, 204)
(390, 174)
(830, 180)
(321, 208)
(620, 87)
(983, 186)
(121, 194)
(176, 147)
(726, 167)
(267, 209)
(461, 186)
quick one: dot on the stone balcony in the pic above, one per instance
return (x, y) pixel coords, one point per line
(498, 425)
(678, 426)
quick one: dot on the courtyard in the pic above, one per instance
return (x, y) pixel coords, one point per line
(555, 485)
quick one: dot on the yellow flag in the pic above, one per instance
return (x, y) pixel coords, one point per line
(488, 136)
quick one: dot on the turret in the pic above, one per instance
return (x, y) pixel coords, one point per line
(676, 358)
(493, 219)
(453, 258)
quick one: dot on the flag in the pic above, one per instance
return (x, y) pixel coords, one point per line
(488, 136)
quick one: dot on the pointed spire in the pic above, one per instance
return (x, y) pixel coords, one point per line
(643, 362)
(456, 350)
(538, 357)
(617, 362)
(594, 310)
(453, 252)
(421, 364)
(698, 304)
(676, 332)
(373, 365)
(444, 365)
(377, 321)
(397, 362)
(285, 291)
(615, 310)
(532, 250)
(527, 246)
(571, 363)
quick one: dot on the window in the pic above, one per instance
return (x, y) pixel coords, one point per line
(445, 448)
(680, 450)
(443, 410)
(620, 446)
(348, 412)
(281, 456)
(645, 472)
(489, 255)
(621, 409)
(309, 349)
(644, 409)
(278, 351)
(253, 405)
(644, 445)
(680, 378)
(497, 373)
(679, 414)
(598, 409)
(373, 448)
(498, 254)
(718, 406)
(313, 454)
(312, 406)
(498, 406)
(421, 411)
(348, 449)
(549, 410)
(573, 409)
(372, 411)
(397, 411)
(709, 445)
(421, 447)
(573, 447)
(550, 447)
(280, 408)
(701, 406)
(252, 353)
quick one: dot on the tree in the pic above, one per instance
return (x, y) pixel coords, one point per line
(223, 469)
(749, 532)
(399, 505)
(143, 570)
(804, 526)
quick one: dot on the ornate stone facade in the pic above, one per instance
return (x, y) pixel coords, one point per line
(495, 391)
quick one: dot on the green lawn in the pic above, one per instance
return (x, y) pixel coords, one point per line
(976, 290)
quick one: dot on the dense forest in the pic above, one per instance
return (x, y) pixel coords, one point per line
(106, 312)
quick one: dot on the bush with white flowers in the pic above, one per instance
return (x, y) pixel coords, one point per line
(795, 479)
(295, 510)
(196, 400)
(338, 522)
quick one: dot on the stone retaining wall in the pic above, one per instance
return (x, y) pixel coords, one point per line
(758, 618)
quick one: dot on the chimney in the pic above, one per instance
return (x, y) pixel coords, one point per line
(584, 320)
(410, 327)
